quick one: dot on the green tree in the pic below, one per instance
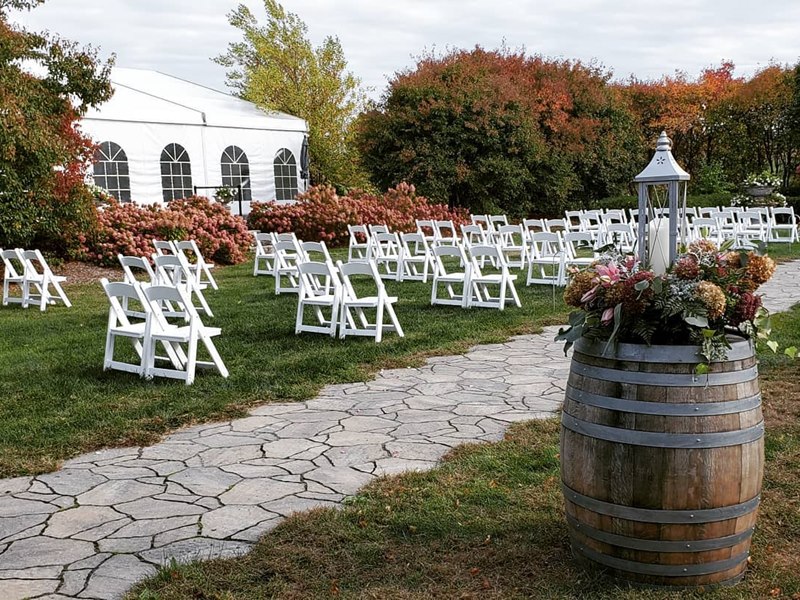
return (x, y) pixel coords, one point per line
(276, 67)
(502, 131)
(43, 156)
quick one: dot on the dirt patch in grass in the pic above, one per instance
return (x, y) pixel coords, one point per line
(81, 272)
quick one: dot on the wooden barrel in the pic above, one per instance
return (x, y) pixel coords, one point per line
(661, 469)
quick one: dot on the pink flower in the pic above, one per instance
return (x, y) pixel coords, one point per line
(608, 274)
(608, 316)
(590, 295)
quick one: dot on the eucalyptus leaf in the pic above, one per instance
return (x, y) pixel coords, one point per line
(791, 352)
(773, 345)
(641, 285)
(696, 321)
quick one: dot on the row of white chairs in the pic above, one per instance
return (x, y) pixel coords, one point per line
(27, 272)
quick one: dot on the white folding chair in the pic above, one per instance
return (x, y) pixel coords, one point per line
(530, 226)
(165, 247)
(482, 284)
(512, 243)
(415, 257)
(473, 235)
(13, 275)
(353, 313)
(621, 235)
(483, 221)
(782, 219)
(320, 288)
(37, 279)
(263, 263)
(172, 271)
(386, 252)
(446, 233)
(547, 259)
(573, 219)
(184, 334)
(446, 259)
(288, 255)
(752, 228)
(497, 221)
(706, 228)
(315, 252)
(591, 222)
(359, 242)
(197, 264)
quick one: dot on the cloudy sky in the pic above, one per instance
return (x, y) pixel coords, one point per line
(642, 37)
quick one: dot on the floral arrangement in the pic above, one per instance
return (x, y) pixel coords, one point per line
(745, 201)
(320, 214)
(763, 179)
(708, 293)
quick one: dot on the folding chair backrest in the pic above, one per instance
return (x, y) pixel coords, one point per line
(414, 244)
(164, 247)
(483, 221)
(158, 295)
(170, 270)
(532, 225)
(545, 244)
(446, 231)
(423, 225)
(473, 234)
(575, 241)
(510, 235)
(361, 270)
(554, 225)
(317, 278)
(120, 296)
(14, 263)
(263, 240)
(358, 234)
(139, 264)
(376, 229)
(385, 245)
(34, 261)
(498, 220)
(479, 254)
(614, 215)
(784, 214)
(312, 248)
(442, 252)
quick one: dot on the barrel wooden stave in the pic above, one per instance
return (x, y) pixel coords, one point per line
(662, 478)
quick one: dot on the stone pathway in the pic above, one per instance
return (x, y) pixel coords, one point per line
(107, 520)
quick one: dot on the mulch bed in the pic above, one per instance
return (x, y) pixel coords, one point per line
(80, 272)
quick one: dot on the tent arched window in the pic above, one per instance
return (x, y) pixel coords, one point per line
(285, 175)
(236, 171)
(111, 171)
(176, 173)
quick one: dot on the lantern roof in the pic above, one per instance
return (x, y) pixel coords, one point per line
(663, 166)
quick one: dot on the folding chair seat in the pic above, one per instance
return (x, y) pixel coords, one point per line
(358, 247)
(183, 333)
(782, 221)
(264, 261)
(386, 252)
(447, 261)
(197, 264)
(354, 319)
(165, 247)
(446, 233)
(547, 259)
(415, 257)
(288, 255)
(320, 288)
(37, 279)
(13, 275)
(172, 271)
(481, 284)
(511, 241)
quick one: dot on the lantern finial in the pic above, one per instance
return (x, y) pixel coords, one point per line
(663, 143)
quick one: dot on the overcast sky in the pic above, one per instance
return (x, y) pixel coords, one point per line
(642, 37)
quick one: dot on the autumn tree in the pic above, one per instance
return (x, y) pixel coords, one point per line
(43, 156)
(276, 67)
(501, 131)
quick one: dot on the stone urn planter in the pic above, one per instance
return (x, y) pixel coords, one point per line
(759, 191)
(661, 468)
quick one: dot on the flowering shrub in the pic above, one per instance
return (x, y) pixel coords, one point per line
(129, 229)
(707, 293)
(320, 214)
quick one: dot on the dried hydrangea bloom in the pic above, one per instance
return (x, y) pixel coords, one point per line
(687, 267)
(578, 286)
(702, 246)
(712, 297)
(747, 308)
(759, 268)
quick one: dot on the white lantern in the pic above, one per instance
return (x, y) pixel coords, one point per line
(662, 185)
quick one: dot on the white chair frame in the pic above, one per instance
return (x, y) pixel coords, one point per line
(353, 317)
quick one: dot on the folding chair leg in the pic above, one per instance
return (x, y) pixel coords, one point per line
(395, 321)
(215, 357)
(379, 323)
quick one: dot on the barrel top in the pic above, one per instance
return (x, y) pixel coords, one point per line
(741, 348)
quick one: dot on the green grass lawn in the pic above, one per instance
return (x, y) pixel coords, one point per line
(488, 523)
(56, 402)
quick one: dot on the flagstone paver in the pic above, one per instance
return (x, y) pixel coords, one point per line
(108, 519)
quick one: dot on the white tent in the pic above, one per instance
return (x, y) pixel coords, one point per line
(162, 137)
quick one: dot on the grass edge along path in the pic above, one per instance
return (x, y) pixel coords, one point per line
(488, 523)
(56, 402)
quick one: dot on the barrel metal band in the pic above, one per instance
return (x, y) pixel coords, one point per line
(650, 515)
(691, 409)
(658, 439)
(664, 379)
(639, 568)
(739, 350)
(659, 545)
